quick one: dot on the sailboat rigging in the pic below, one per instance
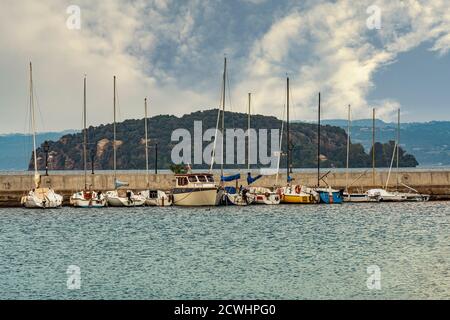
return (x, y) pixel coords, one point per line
(38, 197)
(293, 193)
(326, 194)
(119, 197)
(86, 198)
(152, 197)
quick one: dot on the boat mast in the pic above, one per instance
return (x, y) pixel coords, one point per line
(348, 148)
(288, 140)
(33, 124)
(146, 141)
(223, 115)
(248, 125)
(84, 134)
(373, 147)
(318, 145)
(398, 144)
(114, 128)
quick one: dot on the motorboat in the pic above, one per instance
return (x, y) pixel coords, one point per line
(197, 189)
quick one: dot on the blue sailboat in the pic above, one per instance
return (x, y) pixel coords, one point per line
(326, 195)
(329, 195)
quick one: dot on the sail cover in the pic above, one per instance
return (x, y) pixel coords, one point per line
(230, 178)
(119, 184)
(250, 179)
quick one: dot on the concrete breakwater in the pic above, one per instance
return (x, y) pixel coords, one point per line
(435, 183)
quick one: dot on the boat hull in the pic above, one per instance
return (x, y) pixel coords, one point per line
(156, 198)
(330, 197)
(88, 199)
(125, 202)
(42, 198)
(357, 197)
(237, 200)
(263, 196)
(388, 196)
(192, 197)
(29, 202)
(298, 198)
(82, 203)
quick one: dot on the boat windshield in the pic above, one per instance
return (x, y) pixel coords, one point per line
(202, 178)
(192, 179)
(182, 181)
(210, 178)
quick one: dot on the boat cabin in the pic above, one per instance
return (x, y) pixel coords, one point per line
(192, 180)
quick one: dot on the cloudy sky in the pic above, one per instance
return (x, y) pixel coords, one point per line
(172, 52)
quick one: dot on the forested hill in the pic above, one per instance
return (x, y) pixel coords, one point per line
(66, 153)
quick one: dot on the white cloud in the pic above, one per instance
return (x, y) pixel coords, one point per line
(110, 42)
(171, 52)
(342, 57)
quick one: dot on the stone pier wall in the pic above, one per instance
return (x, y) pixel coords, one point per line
(435, 183)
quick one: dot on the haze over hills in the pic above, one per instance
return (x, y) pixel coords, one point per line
(428, 141)
(66, 153)
(15, 148)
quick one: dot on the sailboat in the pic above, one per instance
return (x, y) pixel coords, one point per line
(228, 195)
(326, 194)
(152, 197)
(383, 194)
(257, 195)
(119, 197)
(87, 198)
(38, 197)
(294, 193)
(348, 196)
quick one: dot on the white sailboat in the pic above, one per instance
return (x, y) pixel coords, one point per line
(87, 198)
(152, 197)
(257, 195)
(38, 197)
(262, 195)
(383, 194)
(352, 196)
(119, 197)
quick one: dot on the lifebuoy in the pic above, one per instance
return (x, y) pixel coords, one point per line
(297, 189)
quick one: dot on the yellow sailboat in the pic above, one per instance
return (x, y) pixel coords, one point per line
(294, 193)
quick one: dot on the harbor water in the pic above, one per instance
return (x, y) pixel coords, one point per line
(254, 252)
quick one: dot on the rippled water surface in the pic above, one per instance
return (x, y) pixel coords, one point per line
(255, 252)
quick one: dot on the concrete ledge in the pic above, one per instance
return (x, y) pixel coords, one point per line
(435, 183)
